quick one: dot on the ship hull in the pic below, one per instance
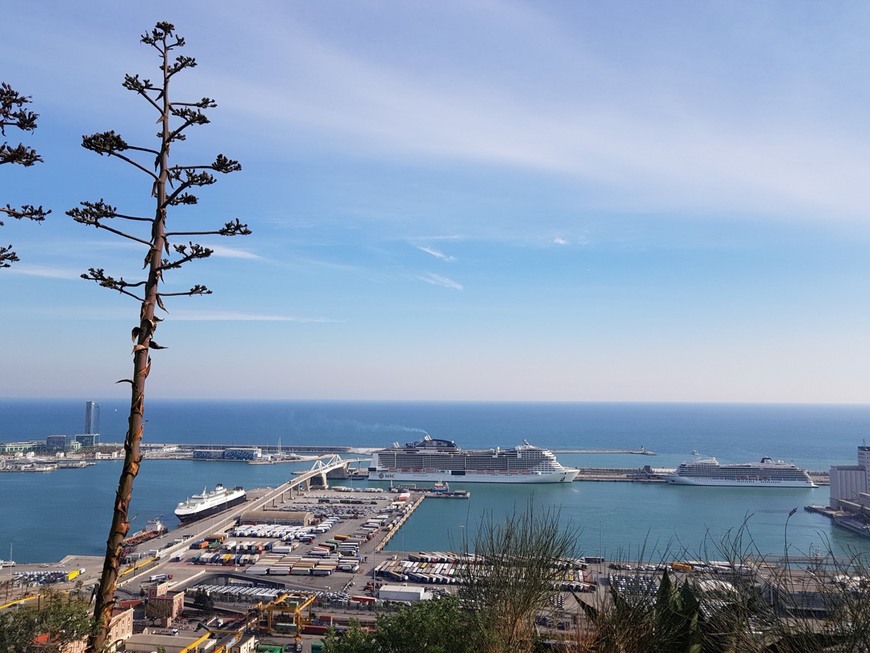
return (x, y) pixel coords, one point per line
(730, 482)
(851, 524)
(563, 476)
(188, 517)
(152, 530)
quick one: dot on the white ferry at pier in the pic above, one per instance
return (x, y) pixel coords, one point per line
(433, 459)
(767, 473)
(200, 506)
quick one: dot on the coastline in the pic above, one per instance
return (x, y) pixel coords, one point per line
(48, 515)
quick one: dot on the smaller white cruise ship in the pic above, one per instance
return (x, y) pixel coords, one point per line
(200, 506)
(767, 473)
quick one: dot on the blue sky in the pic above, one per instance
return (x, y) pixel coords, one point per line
(566, 201)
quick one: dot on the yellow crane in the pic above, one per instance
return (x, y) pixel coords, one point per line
(192, 647)
(284, 614)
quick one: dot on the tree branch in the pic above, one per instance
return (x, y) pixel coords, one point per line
(14, 114)
(195, 252)
(110, 144)
(26, 212)
(141, 86)
(99, 276)
(7, 257)
(20, 154)
(232, 228)
(92, 214)
(196, 290)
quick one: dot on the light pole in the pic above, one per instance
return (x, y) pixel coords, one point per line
(777, 598)
(785, 534)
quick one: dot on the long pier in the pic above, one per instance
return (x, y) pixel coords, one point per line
(638, 452)
(398, 525)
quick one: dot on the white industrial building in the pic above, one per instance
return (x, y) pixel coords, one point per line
(411, 594)
(850, 484)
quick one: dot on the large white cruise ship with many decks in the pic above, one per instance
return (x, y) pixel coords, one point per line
(433, 459)
(767, 473)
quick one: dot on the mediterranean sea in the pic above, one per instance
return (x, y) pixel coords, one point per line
(46, 516)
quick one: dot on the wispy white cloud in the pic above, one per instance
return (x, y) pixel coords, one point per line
(646, 139)
(232, 252)
(308, 262)
(103, 314)
(655, 131)
(44, 271)
(558, 240)
(660, 134)
(436, 253)
(438, 280)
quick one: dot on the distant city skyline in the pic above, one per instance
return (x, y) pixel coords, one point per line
(494, 200)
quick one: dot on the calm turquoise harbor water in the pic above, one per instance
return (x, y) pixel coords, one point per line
(46, 516)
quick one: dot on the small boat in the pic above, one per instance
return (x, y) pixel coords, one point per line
(153, 528)
(441, 490)
(38, 467)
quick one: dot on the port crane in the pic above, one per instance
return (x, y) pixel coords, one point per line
(284, 615)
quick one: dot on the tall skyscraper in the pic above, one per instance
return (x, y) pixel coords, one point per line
(92, 418)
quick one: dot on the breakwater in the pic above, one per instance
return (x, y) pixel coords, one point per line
(322, 448)
(635, 452)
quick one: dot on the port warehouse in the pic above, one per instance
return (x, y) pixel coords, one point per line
(230, 453)
(235, 592)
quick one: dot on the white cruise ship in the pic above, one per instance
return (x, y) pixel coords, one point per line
(767, 473)
(200, 506)
(432, 459)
